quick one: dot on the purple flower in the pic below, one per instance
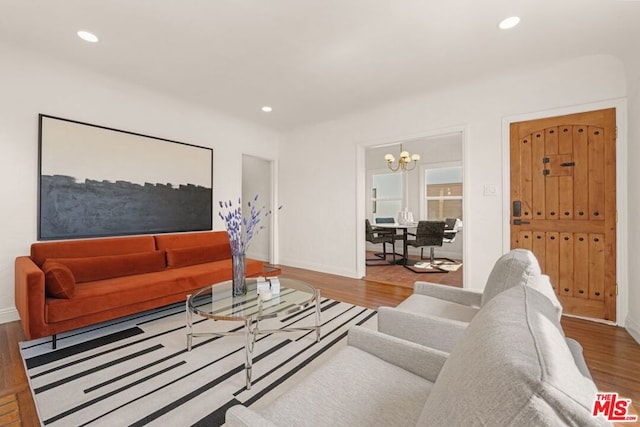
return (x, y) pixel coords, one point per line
(242, 229)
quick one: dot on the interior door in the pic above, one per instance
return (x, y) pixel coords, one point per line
(563, 206)
(256, 180)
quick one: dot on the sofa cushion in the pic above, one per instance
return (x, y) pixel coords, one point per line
(42, 251)
(516, 267)
(110, 294)
(426, 305)
(189, 240)
(512, 366)
(58, 280)
(216, 271)
(89, 269)
(105, 295)
(183, 257)
(352, 388)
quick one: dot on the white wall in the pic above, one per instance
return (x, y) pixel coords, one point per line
(632, 322)
(323, 161)
(31, 84)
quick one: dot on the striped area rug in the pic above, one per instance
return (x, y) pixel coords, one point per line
(136, 371)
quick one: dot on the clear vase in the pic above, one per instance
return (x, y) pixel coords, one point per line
(239, 274)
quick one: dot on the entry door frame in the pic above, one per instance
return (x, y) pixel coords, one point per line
(622, 229)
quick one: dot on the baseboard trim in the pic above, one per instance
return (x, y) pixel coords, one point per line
(8, 315)
(633, 327)
(318, 267)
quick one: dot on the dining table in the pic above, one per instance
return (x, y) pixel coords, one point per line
(405, 231)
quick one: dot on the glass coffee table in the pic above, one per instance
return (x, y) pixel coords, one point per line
(217, 302)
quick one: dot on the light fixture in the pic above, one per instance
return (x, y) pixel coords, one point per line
(406, 162)
(510, 22)
(87, 36)
(267, 109)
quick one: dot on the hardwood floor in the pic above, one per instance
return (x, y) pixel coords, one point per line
(400, 276)
(611, 353)
(13, 380)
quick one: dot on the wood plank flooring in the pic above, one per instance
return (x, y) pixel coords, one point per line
(611, 353)
(9, 411)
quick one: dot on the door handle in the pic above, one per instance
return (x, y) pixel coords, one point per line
(520, 222)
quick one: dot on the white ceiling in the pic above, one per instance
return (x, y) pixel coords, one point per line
(314, 60)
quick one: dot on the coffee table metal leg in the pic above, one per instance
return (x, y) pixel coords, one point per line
(189, 325)
(318, 321)
(248, 348)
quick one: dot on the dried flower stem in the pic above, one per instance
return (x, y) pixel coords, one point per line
(239, 228)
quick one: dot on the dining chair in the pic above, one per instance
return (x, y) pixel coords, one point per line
(451, 228)
(428, 234)
(378, 236)
(393, 232)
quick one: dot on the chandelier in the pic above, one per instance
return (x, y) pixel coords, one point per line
(406, 162)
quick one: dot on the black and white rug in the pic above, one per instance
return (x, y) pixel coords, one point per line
(136, 370)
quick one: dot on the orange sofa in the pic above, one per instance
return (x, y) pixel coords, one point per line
(65, 285)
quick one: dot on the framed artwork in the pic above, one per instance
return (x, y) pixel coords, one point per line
(96, 181)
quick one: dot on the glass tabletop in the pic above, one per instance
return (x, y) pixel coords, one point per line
(217, 302)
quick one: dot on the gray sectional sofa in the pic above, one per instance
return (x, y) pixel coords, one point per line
(510, 366)
(437, 314)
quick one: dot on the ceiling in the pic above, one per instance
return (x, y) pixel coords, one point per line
(314, 60)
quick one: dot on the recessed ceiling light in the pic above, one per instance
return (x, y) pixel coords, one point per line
(87, 36)
(510, 22)
(267, 109)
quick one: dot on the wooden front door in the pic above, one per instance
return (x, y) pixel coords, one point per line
(563, 206)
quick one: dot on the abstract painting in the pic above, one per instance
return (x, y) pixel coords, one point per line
(95, 181)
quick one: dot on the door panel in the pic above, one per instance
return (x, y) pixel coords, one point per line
(580, 175)
(563, 174)
(565, 282)
(538, 206)
(539, 244)
(581, 265)
(552, 253)
(596, 174)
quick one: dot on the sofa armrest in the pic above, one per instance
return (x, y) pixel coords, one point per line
(423, 361)
(448, 293)
(430, 331)
(30, 297)
(241, 416)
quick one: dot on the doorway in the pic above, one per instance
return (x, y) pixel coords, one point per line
(563, 205)
(257, 179)
(433, 190)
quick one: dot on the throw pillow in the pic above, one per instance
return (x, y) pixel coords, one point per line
(58, 280)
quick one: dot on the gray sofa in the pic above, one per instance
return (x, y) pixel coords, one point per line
(437, 314)
(511, 366)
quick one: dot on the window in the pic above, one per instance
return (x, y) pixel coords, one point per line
(386, 194)
(443, 192)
